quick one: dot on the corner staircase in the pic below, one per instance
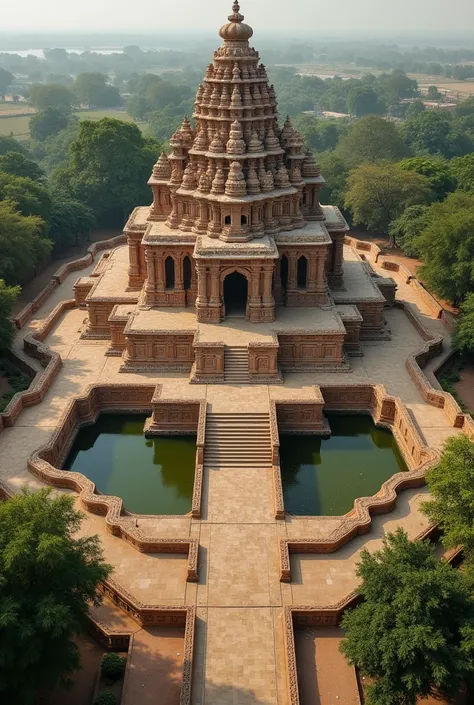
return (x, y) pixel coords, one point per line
(236, 365)
(238, 440)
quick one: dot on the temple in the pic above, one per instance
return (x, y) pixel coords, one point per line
(235, 235)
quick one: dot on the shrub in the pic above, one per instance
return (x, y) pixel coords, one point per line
(112, 666)
(106, 697)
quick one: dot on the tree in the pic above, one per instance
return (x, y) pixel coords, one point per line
(414, 109)
(462, 170)
(431, 133)
(379, 193)
(404, 230)
(397, 86)
(436, 169)
(51, 95)
(70, 221)
(16, 164)
(6, 80)
(463, 336)
(92, 89)
(10, 144)
(413, 632)
(8, 296)
(434, 94)
(335, 174)
(48, 122)
(363, 100)
(30, 197)
(108, 168)
(447, 247)
(465, 108)
(371, 139)
(451, 485)
(22, 244)
(49, 579)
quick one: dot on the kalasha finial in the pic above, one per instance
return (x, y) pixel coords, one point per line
(236, 16)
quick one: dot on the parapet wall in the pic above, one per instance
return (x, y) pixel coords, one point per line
(60, 275)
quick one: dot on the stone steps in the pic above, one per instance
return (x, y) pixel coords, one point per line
(238, 440)
(236, 366)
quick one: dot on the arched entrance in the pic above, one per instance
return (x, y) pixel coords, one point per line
(235, 294)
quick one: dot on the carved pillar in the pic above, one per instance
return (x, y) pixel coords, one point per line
(202, 310)
(215, 302)
(151, 277)
(321, 286)
(160, 272)
(254, 300)
(268, 302)
(292, 270)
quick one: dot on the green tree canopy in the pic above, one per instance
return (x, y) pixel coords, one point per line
(70, 221)
(51, 95)
(109, 165)
(10, 144)
(49, 578)
(48, 122)
(8, 296)
(463, 336)
(22, 244)
(451, 485)
(446, 246)
(465, 108)
(371, 139)
(54, 151)
(414, 109)
(6, 80)
(413, 632)
(93, 90)
(335, 174)
(363, 100)
(16, 164)
(404, 230)
(30, 197)
(462, 170)
(436, 169)
(433, 93)
(320, 134)
(397, 86)
(431, 132)
(379, 193)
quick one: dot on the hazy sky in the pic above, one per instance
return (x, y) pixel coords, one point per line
(329, 16)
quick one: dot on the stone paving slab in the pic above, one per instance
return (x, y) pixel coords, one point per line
(246, 578)
(240, 668)
(240, 495)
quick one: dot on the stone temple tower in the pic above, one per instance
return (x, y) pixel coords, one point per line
(235, 231)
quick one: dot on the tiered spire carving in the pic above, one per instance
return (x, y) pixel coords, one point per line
(237, 154)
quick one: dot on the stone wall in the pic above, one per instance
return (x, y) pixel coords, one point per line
(306, 352)
(60, 275)
(208, 365)
(159, 350)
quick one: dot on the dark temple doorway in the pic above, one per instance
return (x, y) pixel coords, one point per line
(235, 294)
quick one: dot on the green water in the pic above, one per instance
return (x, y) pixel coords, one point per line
(152, 476)
(323, 476)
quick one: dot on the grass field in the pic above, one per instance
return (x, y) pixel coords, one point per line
(18, 125)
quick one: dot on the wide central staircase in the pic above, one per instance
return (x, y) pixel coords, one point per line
(236, 365)
(238, 440)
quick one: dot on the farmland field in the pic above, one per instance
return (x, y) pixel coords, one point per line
(18, 125)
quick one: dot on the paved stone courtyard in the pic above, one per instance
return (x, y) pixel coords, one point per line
(239, 655)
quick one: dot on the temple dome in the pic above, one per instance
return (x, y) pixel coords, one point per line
(236, 30)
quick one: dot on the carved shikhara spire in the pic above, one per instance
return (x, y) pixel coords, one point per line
(236, 161)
